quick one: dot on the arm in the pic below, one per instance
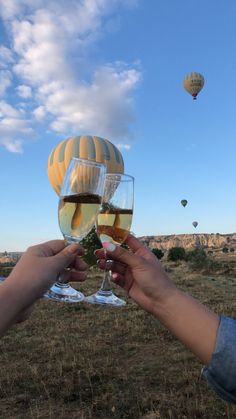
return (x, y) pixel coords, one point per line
(189, 321)
(210, 337)
(140, 273)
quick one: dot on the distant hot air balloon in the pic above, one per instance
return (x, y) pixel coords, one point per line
(195, 224)
(194, 83)
(184, 202)
(86, 147)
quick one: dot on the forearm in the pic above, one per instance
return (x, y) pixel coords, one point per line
(13, 300)
(191, 322)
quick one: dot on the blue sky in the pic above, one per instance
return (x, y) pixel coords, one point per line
(115, 68)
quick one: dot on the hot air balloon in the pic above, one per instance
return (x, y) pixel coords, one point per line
(184, 202)
(194, 83)
(86, 147)
(195, 224)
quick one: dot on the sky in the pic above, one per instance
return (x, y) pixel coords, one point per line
(115, 69)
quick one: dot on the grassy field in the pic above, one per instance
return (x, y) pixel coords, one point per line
(82, 361)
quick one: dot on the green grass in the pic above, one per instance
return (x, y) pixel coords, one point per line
(82, 361)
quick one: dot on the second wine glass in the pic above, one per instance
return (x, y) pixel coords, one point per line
(113, 225)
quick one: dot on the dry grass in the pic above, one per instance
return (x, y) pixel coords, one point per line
(82, 361)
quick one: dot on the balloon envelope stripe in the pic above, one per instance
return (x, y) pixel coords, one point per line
(61, 154)
(75, 146)
(52, 156)
(117, 155)
(106, 152)
(91, 148)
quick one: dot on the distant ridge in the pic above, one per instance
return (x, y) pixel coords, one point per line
(190, 241)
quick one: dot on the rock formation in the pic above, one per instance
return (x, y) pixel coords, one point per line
(191, 241)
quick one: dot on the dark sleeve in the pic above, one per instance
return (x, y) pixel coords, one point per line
(221, 374)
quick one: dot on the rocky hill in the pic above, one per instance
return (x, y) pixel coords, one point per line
(190, 241)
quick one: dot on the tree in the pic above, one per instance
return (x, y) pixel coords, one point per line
(176, 253)
(199, 260)
(158, 253)
(91, 242)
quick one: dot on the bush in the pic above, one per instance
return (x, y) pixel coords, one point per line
(176, 253)
(91, 242)
(197, 255)
(225, 249)
(231, 249)
(158, 253)
(199, 260)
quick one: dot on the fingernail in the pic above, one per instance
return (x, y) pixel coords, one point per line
(72, 248)
(109, 246)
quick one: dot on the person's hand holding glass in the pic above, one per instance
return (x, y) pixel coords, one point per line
(79, 204)
(113, 225)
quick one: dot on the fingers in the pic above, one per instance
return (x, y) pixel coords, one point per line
(133, 243)
(119, 279)
(122, 255)
(77, 276)
(115, 266)
(53, 247)
(67, 256)
(80, 264)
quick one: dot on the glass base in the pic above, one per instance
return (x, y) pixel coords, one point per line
(64, 293)
(104, 297)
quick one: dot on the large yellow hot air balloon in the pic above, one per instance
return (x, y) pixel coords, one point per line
(86, 147)
(194, 83)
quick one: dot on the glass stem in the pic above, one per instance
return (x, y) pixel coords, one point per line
(106, 282)
(62, 280)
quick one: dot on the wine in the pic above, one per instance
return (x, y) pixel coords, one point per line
(77, 215)
(113, 224)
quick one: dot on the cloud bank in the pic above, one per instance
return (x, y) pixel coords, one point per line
(50, 69)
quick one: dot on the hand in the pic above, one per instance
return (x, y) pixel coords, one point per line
(40, 266)
(138, 271)
(37, 269)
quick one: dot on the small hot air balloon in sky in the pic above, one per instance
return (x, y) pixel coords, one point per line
(85, 147)
(195, 224)
(194, 83)
(184, 202)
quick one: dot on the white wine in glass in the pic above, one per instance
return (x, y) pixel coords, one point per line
(113, 225)
(79, 204)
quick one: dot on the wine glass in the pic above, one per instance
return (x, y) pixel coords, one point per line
(79, 203)
(112, 225)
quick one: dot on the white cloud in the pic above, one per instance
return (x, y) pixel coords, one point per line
(6, 56)
(123, 146)
(24, 91)
(5, 81)
(39, 113)
(13, 127)
(50, 38)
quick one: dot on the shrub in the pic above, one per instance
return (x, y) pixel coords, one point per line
(231, 249)
(225, 249)
(197, 255)
(176, 253)
(199, 260)
(91, 243)
(158, 253)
